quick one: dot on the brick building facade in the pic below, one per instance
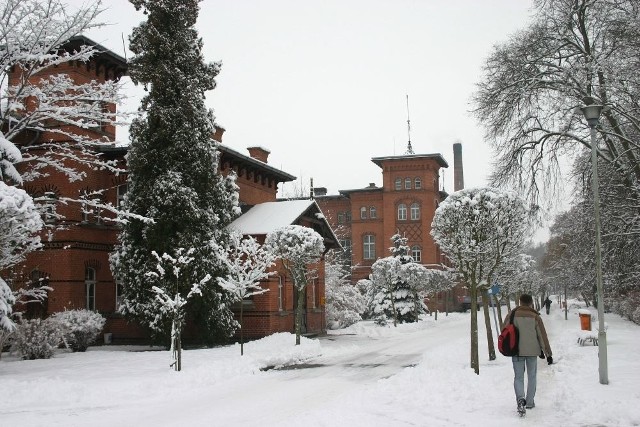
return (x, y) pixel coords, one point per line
(365, 218)
(78, 239)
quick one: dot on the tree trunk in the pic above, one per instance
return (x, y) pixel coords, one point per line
(299, 308)
(474, 330)
(393, 309)
(496, 301)
(241, 328)
(487, 325)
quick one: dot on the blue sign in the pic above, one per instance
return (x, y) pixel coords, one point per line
(495, 289)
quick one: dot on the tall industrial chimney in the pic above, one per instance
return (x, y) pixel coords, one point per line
(458, 176)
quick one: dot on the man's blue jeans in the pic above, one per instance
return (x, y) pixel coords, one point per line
(519, 363)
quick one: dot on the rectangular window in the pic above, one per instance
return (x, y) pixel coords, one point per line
(90, 286)
(121, 190)
(348, 216)
(398, 184)
(341, 217)
(91, 296)
(407, 183)
(372, 213)
(49, 203)
(369, 246)
(119, 284)
(363, 213)
(313, 293)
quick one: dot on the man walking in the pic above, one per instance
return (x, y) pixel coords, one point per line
(547, 304)
(532, 342)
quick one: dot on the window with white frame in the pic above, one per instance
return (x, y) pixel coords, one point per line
(90, 285)
(313, 293)
(372, 212)
(346, 247)
(49, 207)
(417, 183)
(369, 246)
(416, 253)
(415, 211)
(407, 183)
(402, 212)
(363, 212)
(121, 190)
(280, 293)
(398, 185)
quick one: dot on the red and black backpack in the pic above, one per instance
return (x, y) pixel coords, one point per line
(508, 339)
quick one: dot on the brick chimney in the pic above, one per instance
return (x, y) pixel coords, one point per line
(319, 191)
(458, 175)
(217, 133)
(259, 153)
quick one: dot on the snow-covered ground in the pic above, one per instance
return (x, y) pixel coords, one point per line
(413, 375)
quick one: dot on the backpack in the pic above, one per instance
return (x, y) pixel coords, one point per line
(508, 339)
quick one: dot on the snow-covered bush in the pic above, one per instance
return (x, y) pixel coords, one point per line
(37, 339)
(79, 328)
(345, 305)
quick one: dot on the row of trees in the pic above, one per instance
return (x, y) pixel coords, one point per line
(574, 52)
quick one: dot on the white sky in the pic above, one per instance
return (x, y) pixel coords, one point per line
(322, 84)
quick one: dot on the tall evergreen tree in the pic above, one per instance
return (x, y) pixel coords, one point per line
(407, 301)
(173, 171)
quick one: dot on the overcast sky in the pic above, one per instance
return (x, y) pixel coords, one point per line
(323, 84)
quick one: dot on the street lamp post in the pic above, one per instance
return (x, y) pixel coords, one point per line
(592, 114)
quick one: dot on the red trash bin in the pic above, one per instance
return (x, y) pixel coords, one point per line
(585, 321)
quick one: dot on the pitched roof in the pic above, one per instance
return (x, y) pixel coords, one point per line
(266, 217)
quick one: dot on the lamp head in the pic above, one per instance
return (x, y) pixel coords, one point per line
(592, 113)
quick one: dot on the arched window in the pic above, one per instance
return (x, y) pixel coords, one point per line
(369, 246)
(402, 212)
(372, 212)
(416, 253)
(90, 285)
(415, 211)
(417, 183)
(407, 183)
(363, 212)
(398, 183)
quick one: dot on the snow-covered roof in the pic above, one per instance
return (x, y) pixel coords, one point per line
(435, 156)
(269, 216)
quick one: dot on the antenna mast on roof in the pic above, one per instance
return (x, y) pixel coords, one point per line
(409, 148)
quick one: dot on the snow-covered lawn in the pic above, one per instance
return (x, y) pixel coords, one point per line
(413, 375)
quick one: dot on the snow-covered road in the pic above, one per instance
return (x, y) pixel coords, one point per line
(413, 375)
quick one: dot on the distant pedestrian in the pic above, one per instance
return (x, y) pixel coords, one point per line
(532, 342)
(547, 304)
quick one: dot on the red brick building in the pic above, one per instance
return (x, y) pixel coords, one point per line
(366, 218)
(78, 239)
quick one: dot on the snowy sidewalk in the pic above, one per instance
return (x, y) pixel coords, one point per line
(350, 382)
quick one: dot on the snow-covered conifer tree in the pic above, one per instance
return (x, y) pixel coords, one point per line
(407, 302)
(173, 169)
(297, 247)
(247, 264)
